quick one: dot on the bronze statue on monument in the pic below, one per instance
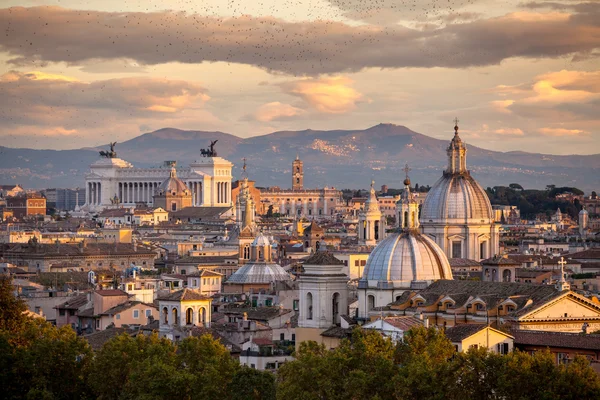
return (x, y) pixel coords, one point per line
(109, 154)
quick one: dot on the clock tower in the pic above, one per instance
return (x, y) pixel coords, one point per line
(297, 174)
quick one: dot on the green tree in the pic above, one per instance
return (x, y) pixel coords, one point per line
(426, 373)
(12, 311)
(578, 380)
(250, 384)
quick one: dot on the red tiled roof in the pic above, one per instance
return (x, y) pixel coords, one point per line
(111, 292)
(557, 339)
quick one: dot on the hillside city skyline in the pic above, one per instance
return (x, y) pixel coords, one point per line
(300, 199)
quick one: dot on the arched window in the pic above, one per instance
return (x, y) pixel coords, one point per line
(165, 315)
(309, 306)
(370, 302)
(406, 219)
(506, 275)
(494, 275)
(335, 307)
(202, 315)
(175, 320)
(189, 316)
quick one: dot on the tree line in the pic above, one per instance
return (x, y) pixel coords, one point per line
(532, 202)
(40, 361)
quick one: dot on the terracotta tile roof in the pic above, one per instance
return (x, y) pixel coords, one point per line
(460, 332)
(589, 254)
(97, 339)
(557, 339)
(463, 262)
(500, 260)
(200, 212)
(125, 306)
(337, 332)
(257, 313)
(73, 303)
(262, 341)
(323, 258)
(184, 295)
(403, 322)
(111, 292)
(200, 331)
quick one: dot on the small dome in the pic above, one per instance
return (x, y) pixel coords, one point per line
(259, 272)
(173, 185)
(261, 241)
(404, 260)
(456, 197)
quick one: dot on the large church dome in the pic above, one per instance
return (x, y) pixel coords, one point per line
(405, 260)
(456, 197)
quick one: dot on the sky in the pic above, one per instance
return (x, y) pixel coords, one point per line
(519, 75)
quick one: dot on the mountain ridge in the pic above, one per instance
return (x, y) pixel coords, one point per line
(341, 158)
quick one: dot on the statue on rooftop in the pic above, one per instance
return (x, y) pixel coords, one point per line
(109, 154)
(210, 152)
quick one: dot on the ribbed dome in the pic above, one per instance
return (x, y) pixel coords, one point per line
(456, 198)
(261, 240)
(406, 260)
(259, 272)
(173, 185)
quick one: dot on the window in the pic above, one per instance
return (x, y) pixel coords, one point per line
(118, 316)
(148, 313)
(502, 348)
(456, 249)
(356, 263)
(173, 206)
(282, 336)
(293, 337)
(309, 306)
(136, 314)
(61, 312)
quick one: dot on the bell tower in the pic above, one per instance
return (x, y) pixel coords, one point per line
(297, 174)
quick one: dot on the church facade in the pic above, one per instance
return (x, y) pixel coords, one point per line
(113, 181)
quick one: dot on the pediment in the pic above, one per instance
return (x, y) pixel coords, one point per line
(568, 306)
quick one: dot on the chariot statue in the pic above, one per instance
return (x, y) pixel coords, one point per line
(109, 154)
(210, 152)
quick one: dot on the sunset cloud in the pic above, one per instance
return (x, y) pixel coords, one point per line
(561, 132)
(327, 95)
(53, 34)
(509, 132)
(50, 105)
(276, 111)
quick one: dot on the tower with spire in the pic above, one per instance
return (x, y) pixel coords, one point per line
(297, 174)
(407, 208)
(245, 218)
(371, 222)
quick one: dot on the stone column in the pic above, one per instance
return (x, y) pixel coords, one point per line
(99, 193)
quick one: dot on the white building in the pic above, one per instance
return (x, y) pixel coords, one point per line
(113, 181)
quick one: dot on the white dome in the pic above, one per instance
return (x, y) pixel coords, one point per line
(456, 197)
(259, 272)
(261, 240)
(405, 260)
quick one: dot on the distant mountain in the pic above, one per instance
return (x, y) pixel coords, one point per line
(340, 158)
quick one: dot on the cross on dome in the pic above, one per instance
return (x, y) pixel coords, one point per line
(456, 121)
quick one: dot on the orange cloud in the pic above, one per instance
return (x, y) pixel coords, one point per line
(275, 111)
(561, 132)
(327, 95)
(509, 132)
